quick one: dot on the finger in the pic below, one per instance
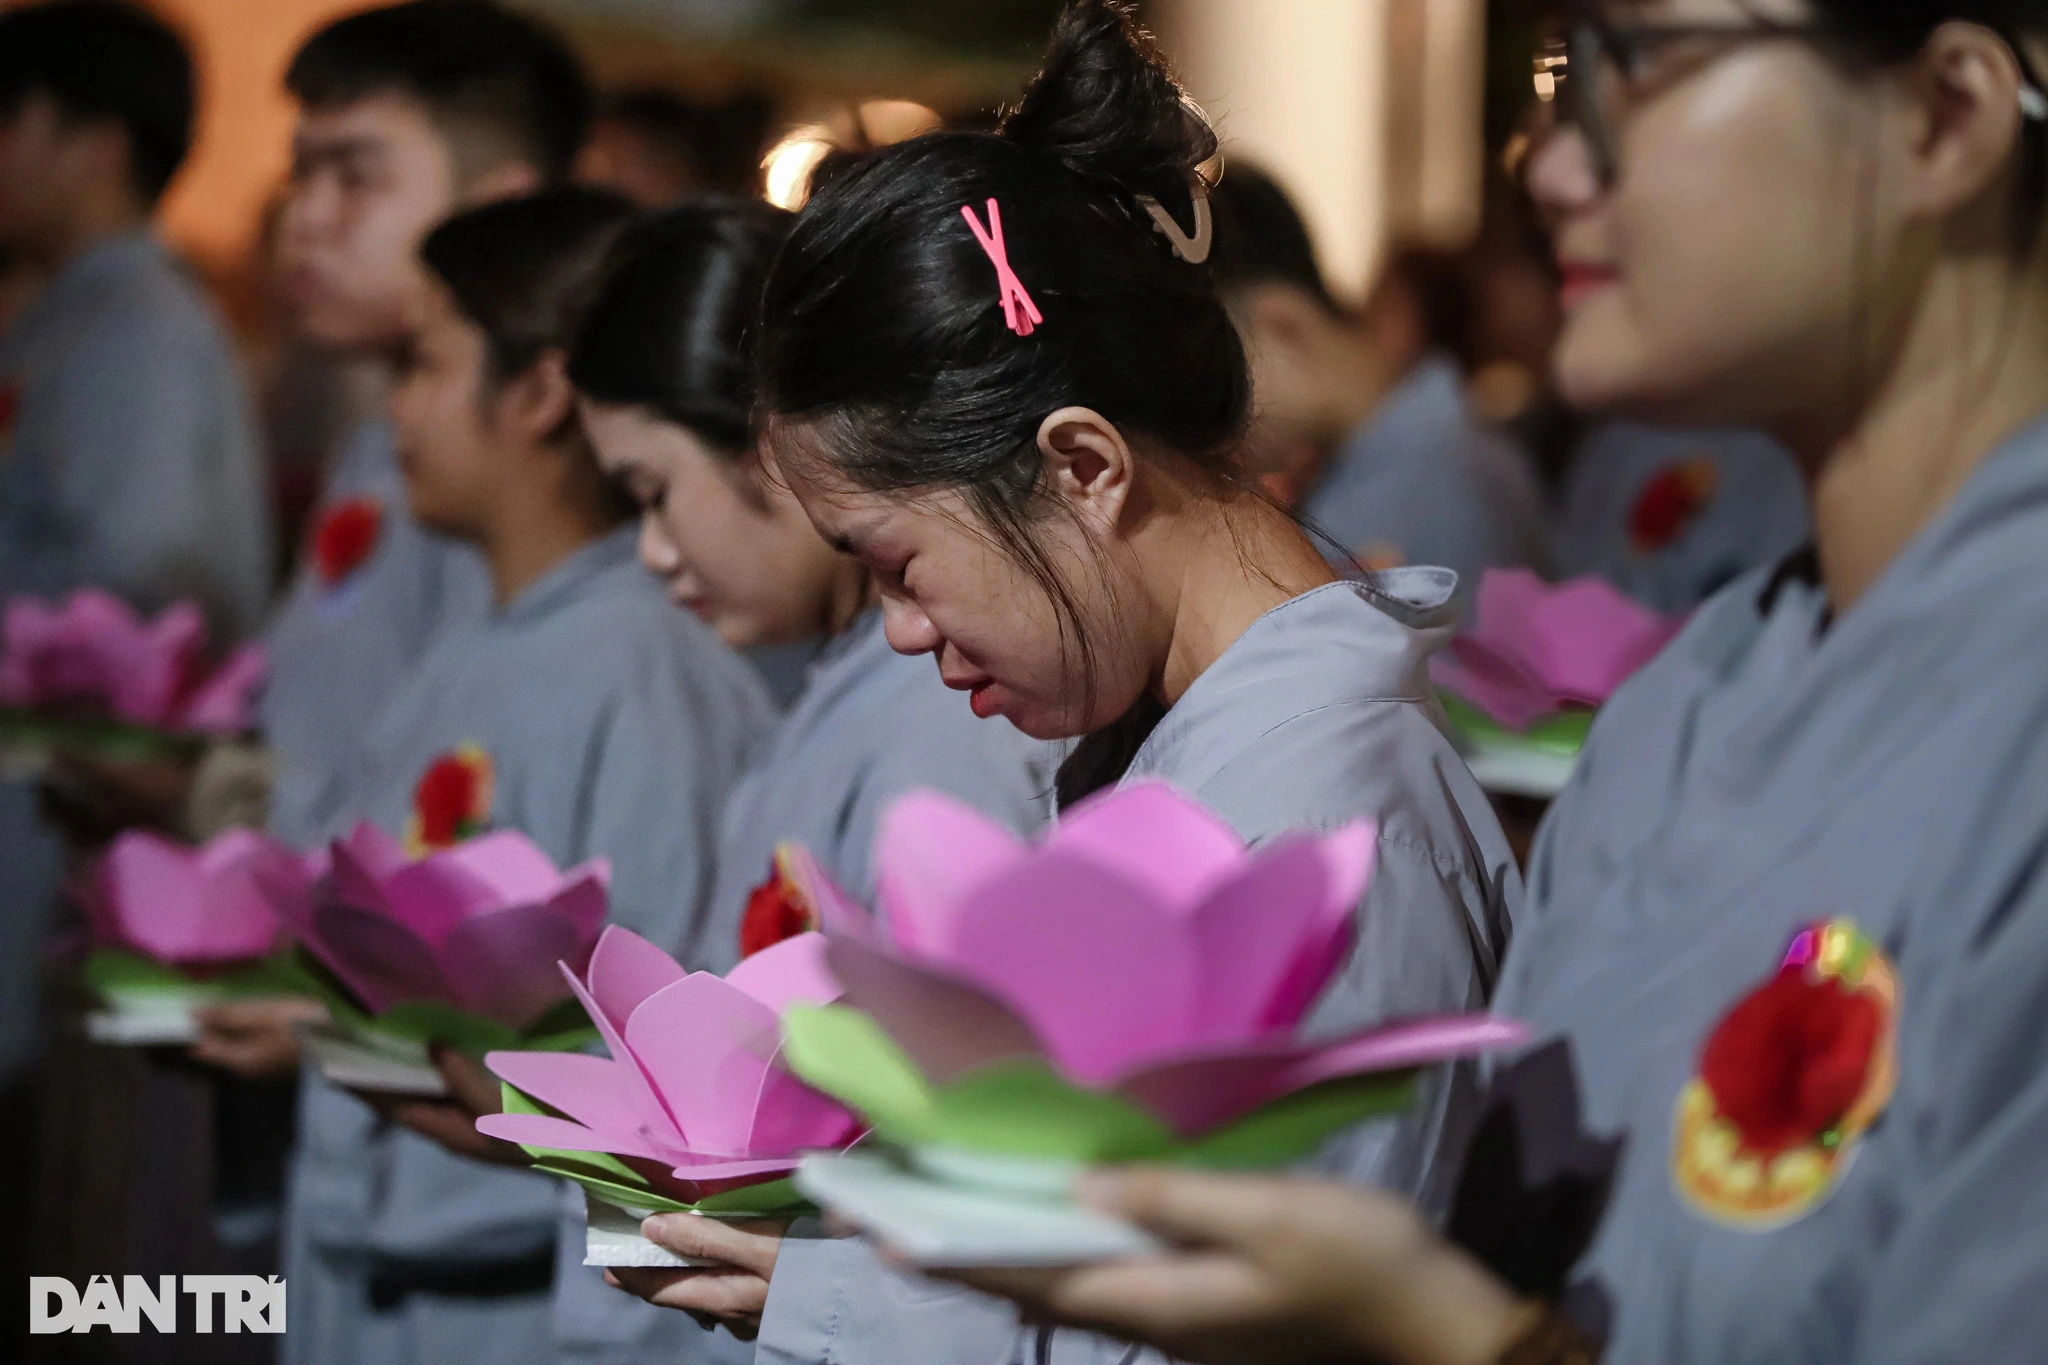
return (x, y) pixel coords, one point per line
(749, 1244)
(1196, 1208)
(476, 1088)
(722, 1294)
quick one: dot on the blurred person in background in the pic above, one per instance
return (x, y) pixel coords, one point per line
(1672, 516)
(1361, 424)
(127, 455)
(655, 147)
(583, 711)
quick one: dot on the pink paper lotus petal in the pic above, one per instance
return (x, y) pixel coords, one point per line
(1264, 936)
(1494, 683)
(791, 1117)
(542, 1130)
(148, 669)
(1100, 969)
(157, 897)
(437, 893)
(655, 1118)
(838, 913)
(376, 957)
(1580, 639)
(1203, 1091)
(501, 963)
(931, 853)
(508, 863)
(596, 1092)
(582, 904)
(225, 704)
(1324, 941)
(786, 972)
(705, 1044)
(378, 854)
(709, 1167)
(1153, 835)
(355, 875)
(624, 970)
(946, 1026)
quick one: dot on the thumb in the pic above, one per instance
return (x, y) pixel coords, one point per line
(1193, 1208)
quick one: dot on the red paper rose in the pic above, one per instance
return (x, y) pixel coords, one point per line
(1789, 1060)
(1670, 502)
(452, 801)
(777, 909)
(344, 537)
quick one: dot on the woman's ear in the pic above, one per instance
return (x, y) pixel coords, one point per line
(539, 402)
(1088, 465)
(1967, 90)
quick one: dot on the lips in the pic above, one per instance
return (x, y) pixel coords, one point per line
(1580, 280)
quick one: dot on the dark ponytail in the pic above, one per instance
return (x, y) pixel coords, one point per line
(882, 317)
(669, 331)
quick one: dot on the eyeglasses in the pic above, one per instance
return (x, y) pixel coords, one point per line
(1590, 72)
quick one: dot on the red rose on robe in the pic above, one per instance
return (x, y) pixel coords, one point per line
(452, 801)
(1670, 502)
(1785, 1065)
(777, 909)
(344, 537)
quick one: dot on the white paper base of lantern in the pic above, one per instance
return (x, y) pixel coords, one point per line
(357, 1061)
(1520, 772)
(934, 1220)
(144, 1021)
(611, 1237)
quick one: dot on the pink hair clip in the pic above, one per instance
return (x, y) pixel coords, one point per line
(1018, 309)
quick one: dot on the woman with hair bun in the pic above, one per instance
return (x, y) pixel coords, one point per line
(993, 368)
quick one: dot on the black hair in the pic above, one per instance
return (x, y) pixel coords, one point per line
(102, 60)
(669, 329)
(472, 63)
(882, 312)
(523, 270)
(1261, 238)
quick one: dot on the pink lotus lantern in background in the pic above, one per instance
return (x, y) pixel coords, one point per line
(187, 906)
(94, 657)
(1537, 648)
(692, 1083)
(478, 927)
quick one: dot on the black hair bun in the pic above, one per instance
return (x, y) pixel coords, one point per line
(1106, 106)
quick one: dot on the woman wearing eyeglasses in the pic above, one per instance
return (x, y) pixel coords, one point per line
(1789, 925)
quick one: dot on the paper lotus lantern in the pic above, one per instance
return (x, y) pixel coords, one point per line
(1128, 988)
(460, 946)
(690, 1105)
(1537, 648)
(193, 906)
(93, 657)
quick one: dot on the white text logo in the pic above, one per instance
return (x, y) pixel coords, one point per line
(247, 1303)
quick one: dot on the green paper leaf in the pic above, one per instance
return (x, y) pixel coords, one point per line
(110, 741)
(436, 1021)
(844, 1053)
(1561, 732)
(1295, 1126)
(115, 971)
(1024, 1108)
(564, 1027)
(615, 1182)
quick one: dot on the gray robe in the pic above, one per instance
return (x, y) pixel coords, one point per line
(1756, 515)
(870, 725)
(1768, 771)
(617, 726)
(1321, 713)
(338, 654)
(128, 460)
(1427, 476)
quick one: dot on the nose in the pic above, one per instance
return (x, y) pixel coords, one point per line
(908, 630)
(657, 552)
(1560, 174)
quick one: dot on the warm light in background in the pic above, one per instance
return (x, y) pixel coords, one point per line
(786, 170)
(1368, 111)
